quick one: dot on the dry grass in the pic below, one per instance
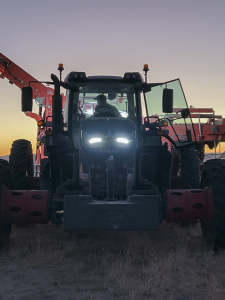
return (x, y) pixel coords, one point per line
(44, 262)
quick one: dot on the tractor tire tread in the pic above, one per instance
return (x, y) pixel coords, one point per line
(5, 228)
(214, 175)
(20, 163)
(189, 168)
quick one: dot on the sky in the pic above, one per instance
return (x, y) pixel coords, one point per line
(176, 38)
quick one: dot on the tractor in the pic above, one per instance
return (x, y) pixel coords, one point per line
(103, 171)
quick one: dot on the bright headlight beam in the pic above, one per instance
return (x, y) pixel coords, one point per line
(95, 140)
(122, 140)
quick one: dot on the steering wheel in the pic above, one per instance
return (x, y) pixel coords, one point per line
(104, 114)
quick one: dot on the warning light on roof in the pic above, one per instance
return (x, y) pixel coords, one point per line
(146, 68)
(60, 68)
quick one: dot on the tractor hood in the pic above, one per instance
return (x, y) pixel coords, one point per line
(104, 137)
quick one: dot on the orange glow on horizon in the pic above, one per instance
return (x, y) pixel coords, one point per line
(5, 148)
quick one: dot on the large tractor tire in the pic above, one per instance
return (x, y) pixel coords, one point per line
(185, 165)
(213, 174)
(21, 164)
(5, 228)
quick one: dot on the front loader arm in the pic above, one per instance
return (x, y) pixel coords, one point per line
(19, 77)
(41, 93)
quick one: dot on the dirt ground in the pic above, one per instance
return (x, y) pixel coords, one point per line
(44, 262)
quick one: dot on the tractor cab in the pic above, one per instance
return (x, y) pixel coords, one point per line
(151, 106)
(99, 96)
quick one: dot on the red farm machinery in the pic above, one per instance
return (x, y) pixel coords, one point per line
(97, 170)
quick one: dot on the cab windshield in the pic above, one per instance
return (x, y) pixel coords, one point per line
(118, 95)
(177, 127)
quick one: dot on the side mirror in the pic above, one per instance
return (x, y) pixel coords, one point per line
(167, 100)
(27, 99)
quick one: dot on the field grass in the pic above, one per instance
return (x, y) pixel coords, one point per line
(43, 262)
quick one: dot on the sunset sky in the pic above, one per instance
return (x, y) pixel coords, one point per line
(177, 38)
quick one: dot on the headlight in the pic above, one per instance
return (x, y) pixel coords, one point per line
(95, 140)
(122, 140)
